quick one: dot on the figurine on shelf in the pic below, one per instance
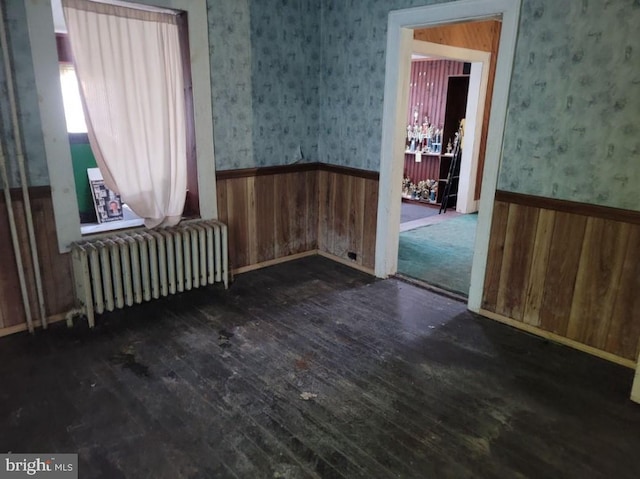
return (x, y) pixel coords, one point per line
(406, 187)
(449, 147)
(432, 188)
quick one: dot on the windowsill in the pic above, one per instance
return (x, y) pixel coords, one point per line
(131, 220)
(93, 228)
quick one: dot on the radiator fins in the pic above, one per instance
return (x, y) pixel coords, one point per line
(140, 265)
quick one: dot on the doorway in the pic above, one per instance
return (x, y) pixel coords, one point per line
(445, 115)
(400, 35)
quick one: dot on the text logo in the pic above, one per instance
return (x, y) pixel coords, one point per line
(49, 466)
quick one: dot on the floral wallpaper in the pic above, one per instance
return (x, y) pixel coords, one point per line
(285, 79)
(354, 40)
(573, 128)
(231, 91)
(303, 80)
(573, 118)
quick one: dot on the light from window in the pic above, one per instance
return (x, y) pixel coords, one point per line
(73, 111)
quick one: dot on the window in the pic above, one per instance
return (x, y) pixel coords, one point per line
(73, 113)
(120, 148)
(58, 156)
(82, 159)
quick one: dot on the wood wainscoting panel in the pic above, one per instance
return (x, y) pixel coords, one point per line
(562, 271)
(517, 255)
(239, 221)
(347, 216)
(266, 222)
(324, 202)
(562, 267)
(295, 206)
(370, 223)
(495, 255)
(269, 216)
(10, 300)
(55, 268)
(624, 332)
(285, 193)
(539, 265)
(597, 281)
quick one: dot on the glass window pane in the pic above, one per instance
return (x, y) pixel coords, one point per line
(71, 98)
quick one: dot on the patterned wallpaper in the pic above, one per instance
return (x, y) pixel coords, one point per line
(265, 64)
(231, 92)
(285, 77)
(354, 40)
(573, 118)
(24, 85)
(574, 107)
(308, 75)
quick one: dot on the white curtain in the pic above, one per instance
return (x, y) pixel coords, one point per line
(129, 68)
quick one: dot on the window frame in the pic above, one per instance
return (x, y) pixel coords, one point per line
(58, 153)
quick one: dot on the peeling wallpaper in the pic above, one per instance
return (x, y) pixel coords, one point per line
(285, 79)
(291, 76)
(573, 125)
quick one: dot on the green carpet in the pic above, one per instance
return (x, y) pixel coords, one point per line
(440, 254)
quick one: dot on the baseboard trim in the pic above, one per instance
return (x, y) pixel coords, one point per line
(293, 257)
(273, 262)
(346, 262)
(559, 339)
(18, 328)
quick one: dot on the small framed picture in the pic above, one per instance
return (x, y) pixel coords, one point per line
(107, 203)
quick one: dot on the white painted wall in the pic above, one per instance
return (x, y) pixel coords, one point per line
(478, 81)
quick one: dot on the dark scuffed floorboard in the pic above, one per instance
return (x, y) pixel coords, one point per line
(311, 369)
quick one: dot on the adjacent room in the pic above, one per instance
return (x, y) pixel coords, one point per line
(451, 79)
(314, 238)
(434, 247)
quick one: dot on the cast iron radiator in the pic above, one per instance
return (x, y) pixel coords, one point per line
(140, 265)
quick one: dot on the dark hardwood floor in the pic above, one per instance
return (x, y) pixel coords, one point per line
(311, 369)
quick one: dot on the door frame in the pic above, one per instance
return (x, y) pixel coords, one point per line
(401, 24)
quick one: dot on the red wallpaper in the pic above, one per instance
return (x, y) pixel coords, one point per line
(428, 89)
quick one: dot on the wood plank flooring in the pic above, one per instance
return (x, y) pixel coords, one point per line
(311, 369)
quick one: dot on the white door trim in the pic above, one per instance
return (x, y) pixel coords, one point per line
(398, 58)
